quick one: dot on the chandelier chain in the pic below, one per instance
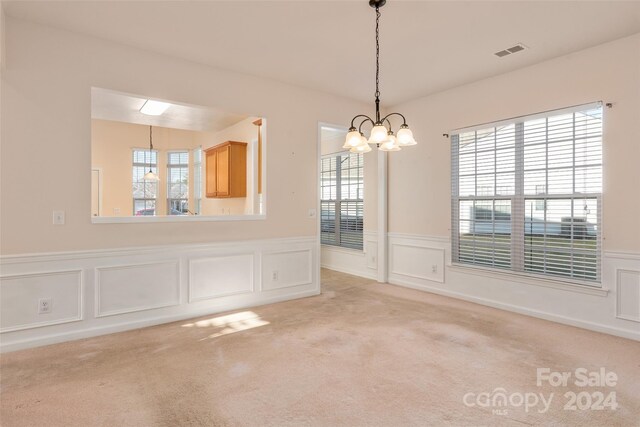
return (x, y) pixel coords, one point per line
(381, 135)
(377, 53)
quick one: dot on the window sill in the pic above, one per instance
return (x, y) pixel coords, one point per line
(530, 280)
(172, 218)
(350, 251)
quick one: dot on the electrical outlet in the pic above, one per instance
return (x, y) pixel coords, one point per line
(434, 268)
(58, 217)
(274, 275)
(44, 305)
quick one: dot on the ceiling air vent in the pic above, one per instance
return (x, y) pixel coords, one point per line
(513, 49)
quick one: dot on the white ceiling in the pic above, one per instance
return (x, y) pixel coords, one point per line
(426, 46)
(122, 107)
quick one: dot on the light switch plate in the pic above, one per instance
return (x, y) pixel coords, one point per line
(58, 217)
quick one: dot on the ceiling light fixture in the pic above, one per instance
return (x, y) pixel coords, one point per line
(150, 176)
(381, 134)
(154, 108)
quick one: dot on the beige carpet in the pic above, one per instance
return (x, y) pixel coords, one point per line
(360, 354)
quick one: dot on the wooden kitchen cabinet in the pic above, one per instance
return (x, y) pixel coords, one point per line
(226, 170)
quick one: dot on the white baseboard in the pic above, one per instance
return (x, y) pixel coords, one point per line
(353, 271)
(522, 310)
(598, 309)
(123, 289)
(151, 321)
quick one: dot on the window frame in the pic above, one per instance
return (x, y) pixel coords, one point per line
(339, 202)
(145, 165)
(520, 201)
(197, 155)
(171, 166)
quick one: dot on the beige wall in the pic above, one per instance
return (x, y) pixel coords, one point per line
(2, 36)
(45, 92)
(46, 100)
(419, 178)
(111, 149)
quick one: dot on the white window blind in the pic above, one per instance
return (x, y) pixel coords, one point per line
(341, 200)
(144, 192)
(526, 194)
(177, 182)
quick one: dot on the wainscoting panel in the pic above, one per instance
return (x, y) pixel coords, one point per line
(220, 276)
(105, 291)
(371, 254)
(417, 261)
(359, 263)
(628, 295)
(285, 269)
(135, 287)
(21, 294)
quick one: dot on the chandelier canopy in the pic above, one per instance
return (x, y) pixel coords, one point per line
(382, 135)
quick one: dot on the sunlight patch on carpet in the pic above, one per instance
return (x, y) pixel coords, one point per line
(229, 323)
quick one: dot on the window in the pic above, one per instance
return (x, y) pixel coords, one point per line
(177, 182)
(526, 194)
(197, 180)
(145, 192)
(341, 200)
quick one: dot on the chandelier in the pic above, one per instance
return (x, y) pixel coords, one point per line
(381, 134)
(150, 176)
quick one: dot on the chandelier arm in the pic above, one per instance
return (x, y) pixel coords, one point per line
(363, 122)
(404, 121)
(360, 115)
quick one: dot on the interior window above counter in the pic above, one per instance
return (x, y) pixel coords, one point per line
(161, 160)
